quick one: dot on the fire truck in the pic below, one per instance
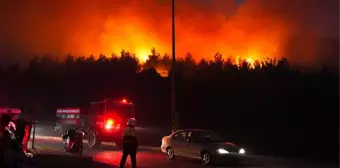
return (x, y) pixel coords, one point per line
(103, 121)
(67, 118)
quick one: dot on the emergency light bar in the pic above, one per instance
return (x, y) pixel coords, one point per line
(123, 101)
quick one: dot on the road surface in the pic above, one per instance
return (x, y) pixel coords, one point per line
(151, 157)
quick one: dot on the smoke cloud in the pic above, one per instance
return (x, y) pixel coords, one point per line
(306, 32)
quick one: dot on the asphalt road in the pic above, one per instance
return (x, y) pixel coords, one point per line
(151, 157)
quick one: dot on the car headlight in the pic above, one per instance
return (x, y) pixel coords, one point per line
(242, 151)
(222, 151)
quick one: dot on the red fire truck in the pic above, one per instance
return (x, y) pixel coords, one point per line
(103, 121)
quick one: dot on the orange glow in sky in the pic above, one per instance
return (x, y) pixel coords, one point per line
(256, 29)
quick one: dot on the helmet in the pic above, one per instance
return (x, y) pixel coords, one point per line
(132, 122)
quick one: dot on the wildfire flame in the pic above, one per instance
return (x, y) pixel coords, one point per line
(202, 34)
(252, 31)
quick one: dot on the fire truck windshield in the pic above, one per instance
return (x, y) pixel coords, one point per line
(124, 110)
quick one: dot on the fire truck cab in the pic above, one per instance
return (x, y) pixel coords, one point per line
(107, 120)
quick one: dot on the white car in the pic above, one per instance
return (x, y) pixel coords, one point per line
(204, 145)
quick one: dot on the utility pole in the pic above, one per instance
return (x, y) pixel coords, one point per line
(175, 116)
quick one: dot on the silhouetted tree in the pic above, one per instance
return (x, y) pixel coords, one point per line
(253, 101)
(218, 61)
(283, 64)
(153, 60)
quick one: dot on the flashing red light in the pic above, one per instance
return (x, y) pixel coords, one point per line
(109, 124)
(124, 101)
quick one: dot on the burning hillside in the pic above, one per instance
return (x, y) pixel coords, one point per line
(256, 29)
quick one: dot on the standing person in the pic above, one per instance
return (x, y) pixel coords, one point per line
(5, 141)
(25, 121)
(27, 136)
(73, 140)
(130, 143)
(11, 152)
(20, 129)
(69, 136)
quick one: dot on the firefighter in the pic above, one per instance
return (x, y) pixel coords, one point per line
(130, 143)
(24, 125)
(11, 149)
(4, 139)
(69, 138)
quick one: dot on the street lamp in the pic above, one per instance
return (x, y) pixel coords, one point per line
(175, 117)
